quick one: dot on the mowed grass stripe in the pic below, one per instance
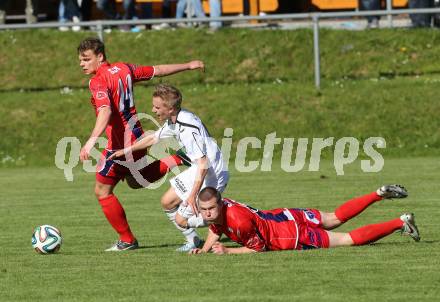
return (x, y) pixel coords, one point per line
(396, 268)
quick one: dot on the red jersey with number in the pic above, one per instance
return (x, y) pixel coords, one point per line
(112, 86)
(256, 229)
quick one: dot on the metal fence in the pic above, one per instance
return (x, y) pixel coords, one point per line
(314, 17)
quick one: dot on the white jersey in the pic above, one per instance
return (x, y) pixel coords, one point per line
(195, 139)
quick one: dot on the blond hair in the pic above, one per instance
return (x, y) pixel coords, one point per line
(169, 94)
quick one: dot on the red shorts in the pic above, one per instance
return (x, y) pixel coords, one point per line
(109, 172)
(311, 235)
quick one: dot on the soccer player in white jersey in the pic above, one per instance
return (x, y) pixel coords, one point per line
(207, 165)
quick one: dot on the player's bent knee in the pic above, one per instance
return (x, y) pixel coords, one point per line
(182, 222)
(330, 221)
(169, 201)
(102, 191)
(166, 203)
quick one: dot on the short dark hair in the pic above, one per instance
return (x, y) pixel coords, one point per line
(208, 193)
(169, 94)
(94, 44)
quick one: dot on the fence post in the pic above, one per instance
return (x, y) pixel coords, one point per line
(389, 9)
(315, 19)
(100, 31)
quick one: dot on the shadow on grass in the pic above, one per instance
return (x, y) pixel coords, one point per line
(158, 246)
(174, 245)
(405, 243)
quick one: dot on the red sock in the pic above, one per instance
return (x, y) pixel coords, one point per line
(355, 206)
(157, 169)
(374, 232)
(115, 214)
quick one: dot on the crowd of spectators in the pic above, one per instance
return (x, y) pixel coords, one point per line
(77, 10)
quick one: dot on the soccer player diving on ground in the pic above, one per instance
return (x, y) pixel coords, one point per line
(293, 228)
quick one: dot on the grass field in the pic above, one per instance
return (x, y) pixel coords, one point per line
(374, 83)
(404, 111)
(395, 269)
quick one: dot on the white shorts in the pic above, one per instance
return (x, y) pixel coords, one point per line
(184, 183)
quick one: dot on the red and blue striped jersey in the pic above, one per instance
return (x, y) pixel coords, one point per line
(112, 86)
(259, 230)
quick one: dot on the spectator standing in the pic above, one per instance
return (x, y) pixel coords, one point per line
(31, 11)
(2, 11)
(420, 20)
(69, 10)
(192, 7)
(373, 21)
(109, 9)
(215, 10)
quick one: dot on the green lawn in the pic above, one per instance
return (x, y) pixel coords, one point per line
(404, 111)
(395, 269)
(382, 83)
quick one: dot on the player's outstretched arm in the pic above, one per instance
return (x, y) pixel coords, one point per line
(164, 70)
(202, 170)
(219, 249)
(140, 145)
(101, 123)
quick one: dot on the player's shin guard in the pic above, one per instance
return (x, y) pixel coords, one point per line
(159, 168)
(115, 214)
(373, 232)
(188, 233)
(355, 206)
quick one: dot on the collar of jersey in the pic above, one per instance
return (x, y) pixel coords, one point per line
(169, 120)
(103, 65)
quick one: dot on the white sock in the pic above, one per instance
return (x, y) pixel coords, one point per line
(196, 221)
(188, 233)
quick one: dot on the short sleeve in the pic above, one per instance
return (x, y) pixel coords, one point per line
(243, 222)
(142, 73)
(99, 94)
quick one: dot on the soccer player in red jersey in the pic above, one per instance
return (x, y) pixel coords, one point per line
(111, 86)
(294, 229)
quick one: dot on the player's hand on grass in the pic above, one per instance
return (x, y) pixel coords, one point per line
(219, 249)
(195, 251)
(196, 65)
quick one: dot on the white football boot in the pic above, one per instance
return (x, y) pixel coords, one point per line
(392, 191)
(409, 226)
(188, 246)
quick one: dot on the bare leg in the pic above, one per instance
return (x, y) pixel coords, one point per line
(170, 199)
(339, 239)
(329, 221)
(170, 203)
(103, 190)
